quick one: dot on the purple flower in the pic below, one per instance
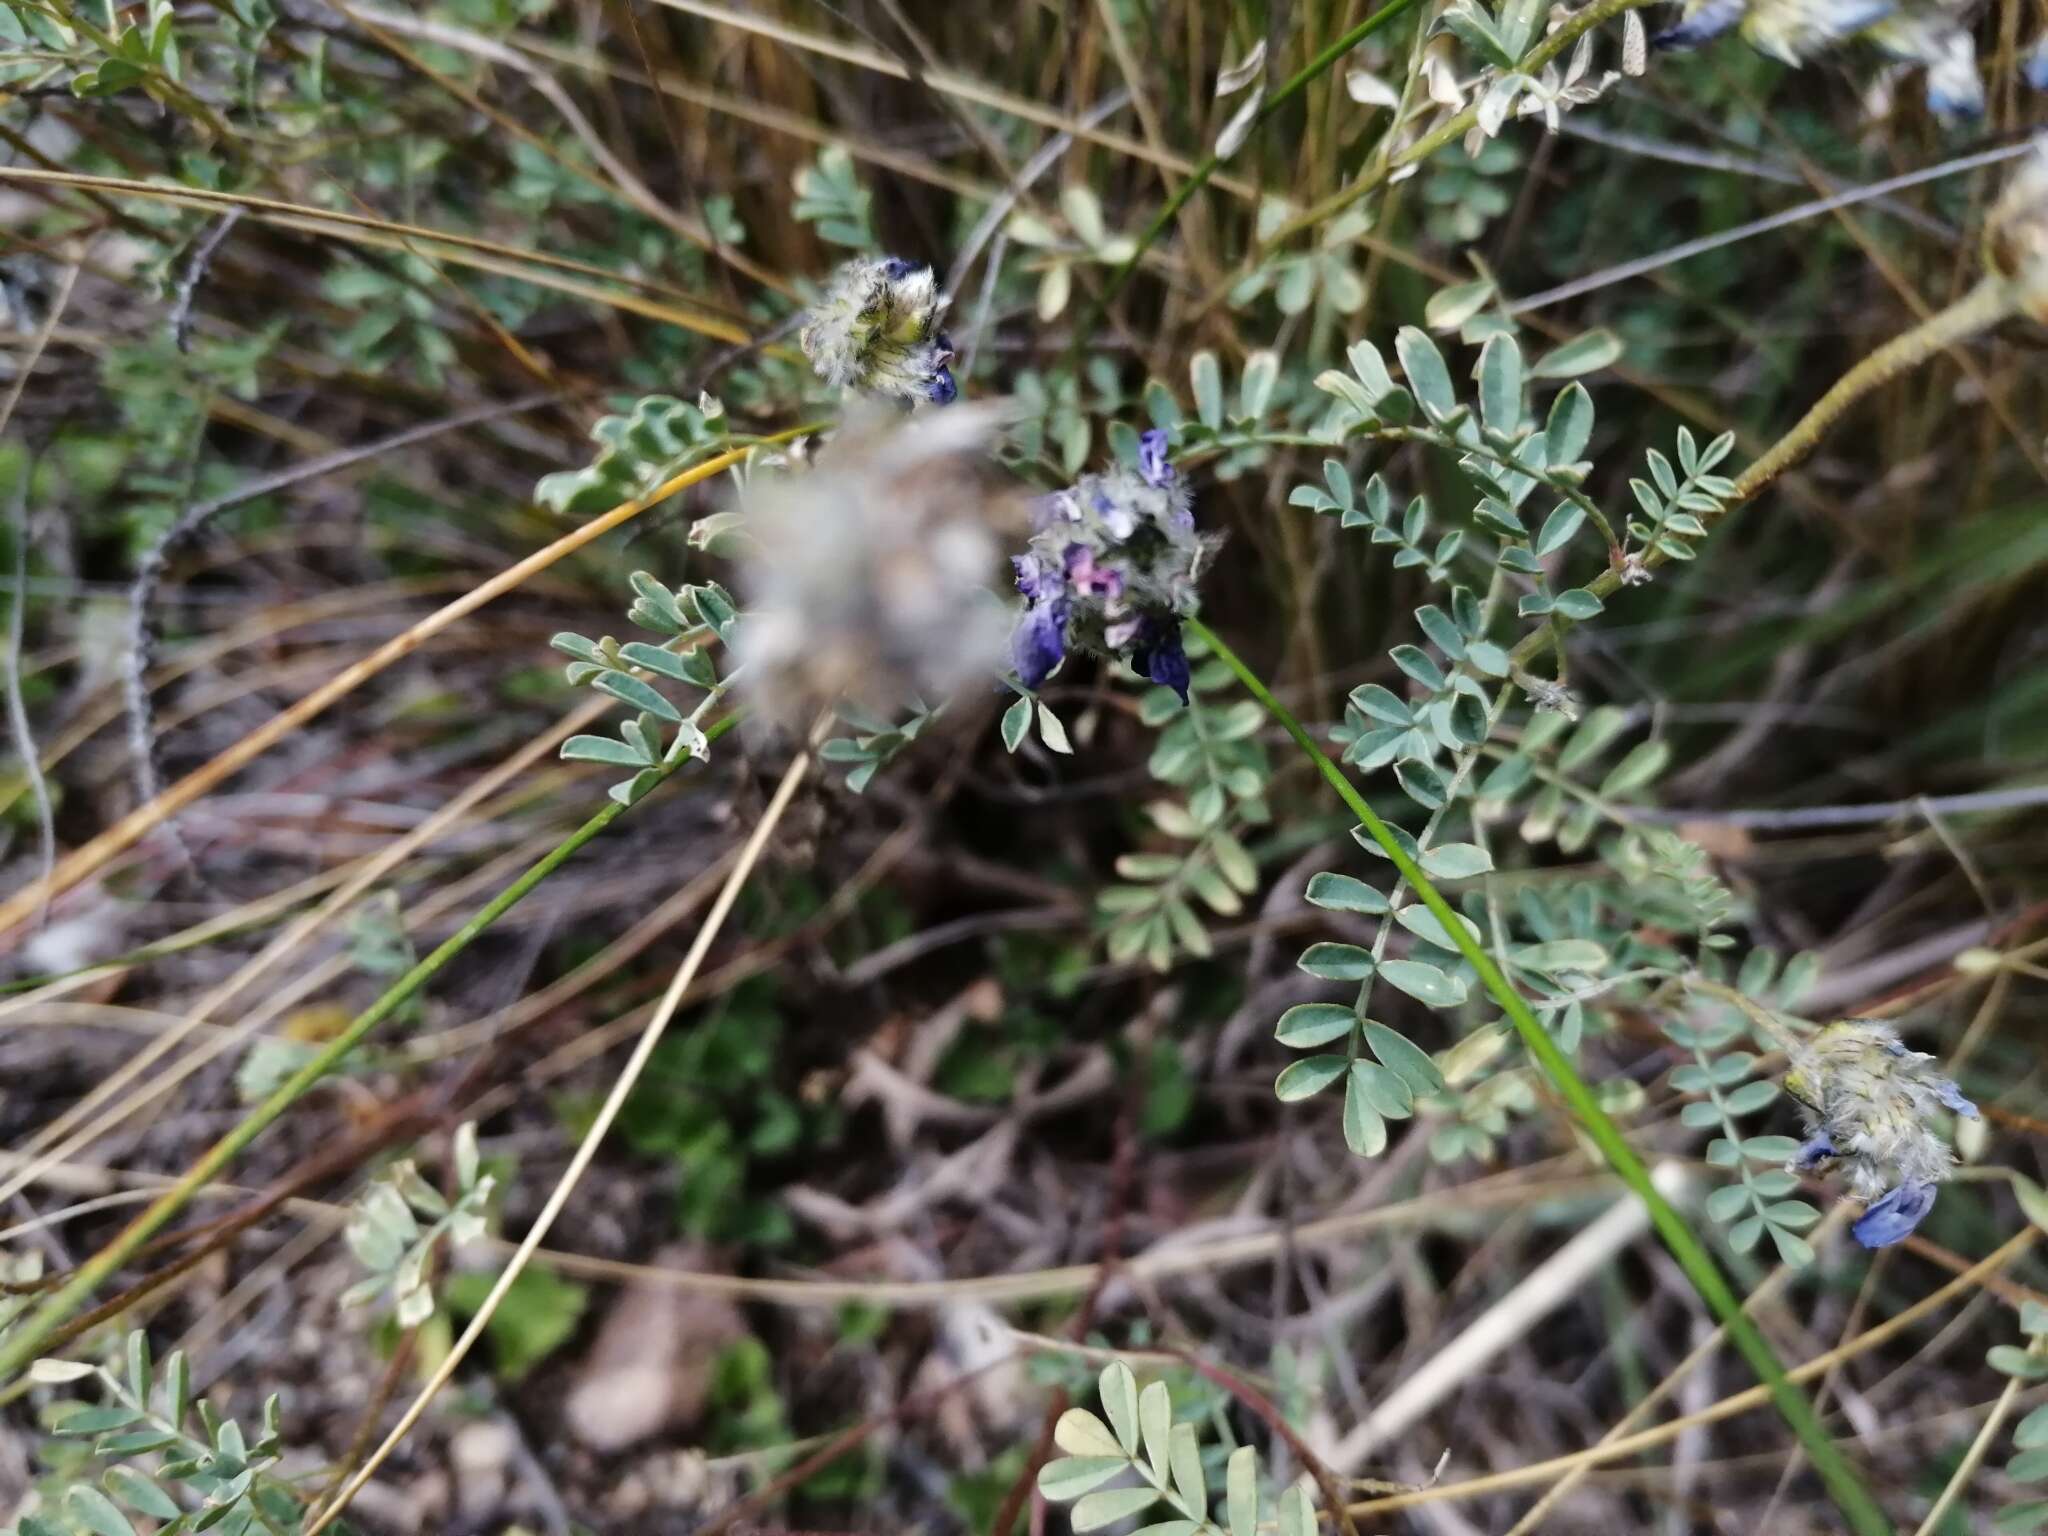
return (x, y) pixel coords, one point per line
(942, 390)
(1034, 580)
(1085, 574)
(1152, 462)
(1893, 1218)
(1120, 553)
(1040, 642)
(1158, 654)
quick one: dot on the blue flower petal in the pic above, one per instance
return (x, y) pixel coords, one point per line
(1152, 460)
(1037, 583)
(1952, 1096)
(1159, 655)
(940, 389)
(1814, 1151)
(1705, 24)
(1040, 642)
(1893, 1218)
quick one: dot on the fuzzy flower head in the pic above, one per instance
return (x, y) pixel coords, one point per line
(1111, 571)
(2016, 235)
(876, 332)
(1927, 35)
(1791, 31)
(1870, 1105)
(870, 575)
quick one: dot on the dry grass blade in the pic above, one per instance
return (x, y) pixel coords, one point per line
(502, 258)
(1045, 995)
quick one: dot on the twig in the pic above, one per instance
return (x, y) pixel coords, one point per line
(149, 570)
(1202, 173)
(358, 880)
(194, 275)
(1447, 132)
(1847, 198)
(17, 707)
(966, 87)
(1767, 1291)
(485, 255)
(1869, 813)
(1555, 1281)
(1042, 160)
(1983, 307)
(1726, 1408)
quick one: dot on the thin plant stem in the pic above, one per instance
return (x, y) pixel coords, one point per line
(1980, 1274)
(1984, 306)
(1771, 1287)
(24, 1342)
(66, 1135)
(505, 259)
(1846, 1488)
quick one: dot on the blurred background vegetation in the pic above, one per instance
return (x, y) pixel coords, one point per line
(301, 300)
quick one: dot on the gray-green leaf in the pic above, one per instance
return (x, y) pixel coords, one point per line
(1069, 1477)
(1304, 1079)
(1402, 1056)
(1096, 1510)
(1119, 1391)
(1427, 374)
(1342, 893)
(1424, 982)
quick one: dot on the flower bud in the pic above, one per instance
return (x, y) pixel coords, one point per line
(1870, 1106)
(875, 331)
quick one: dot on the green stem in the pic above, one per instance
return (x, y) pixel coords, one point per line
(1849, 1494)
(1309, 72)
(22, 1343)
